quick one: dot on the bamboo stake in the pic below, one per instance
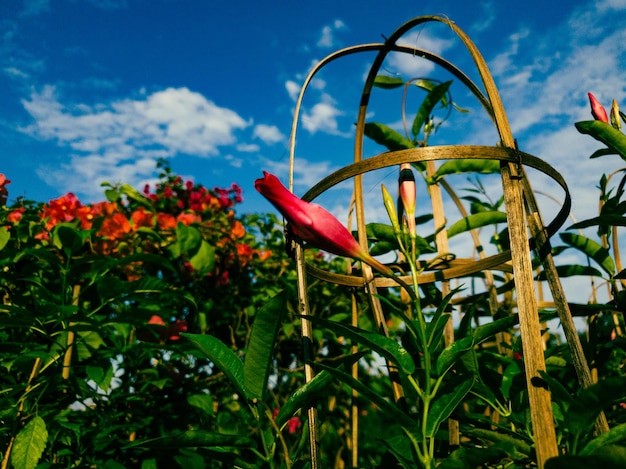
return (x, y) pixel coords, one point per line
(67, 359)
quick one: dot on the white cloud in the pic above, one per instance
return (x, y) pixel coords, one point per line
(247, 147)
(268, 134)
(487, 17)
(322, 117)
(293, 89)
(121, 140)
(413, 66)
(327, 39)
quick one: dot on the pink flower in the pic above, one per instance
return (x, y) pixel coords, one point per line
(4, 192)
(407, 189)
(314, 224)
(597, 110)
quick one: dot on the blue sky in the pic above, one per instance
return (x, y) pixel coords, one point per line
(97, 90)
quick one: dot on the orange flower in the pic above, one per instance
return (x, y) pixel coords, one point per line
(141, 218)
(115, 227)
(165, 221)
(237, 230)
(188, 218)
(61, 210)
(16, 215)
(244, 252)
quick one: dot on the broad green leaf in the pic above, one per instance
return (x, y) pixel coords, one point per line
(616, 434)
(433, 98)
(203, 402)
(188, 238)
(101, 376)
(589, 402)
(388, 408)
(258, 358)
(385, 346)
(69, 238)
(608, 457)
(223, 357)
(195, 438)
(477, 220)
(451, 353)
(605, 133)
(5, 236)
(203, 260)
(591, 249)
(518, 441)
(473, 457)
(387, 82)
(445, 404)
(29, 444)
(387, 137)
(401, 447)
(132, 193)
(464, 166)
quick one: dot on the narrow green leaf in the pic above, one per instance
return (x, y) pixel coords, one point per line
(29, 444)
(617, 434)
(445, 404)
(304, 395)
(451, 353)
(589, 402)
(605, 133)
(194, 438)
(477, 220)
(387, 137)
(223, 357)
(387, 82)
(385, 346)
(433, 98)
(591, 249)
(573, 270)
(464, 166)
(258, 358)
(385, 406)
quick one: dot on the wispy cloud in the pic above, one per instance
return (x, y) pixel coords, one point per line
(327, 38)
(121, 140)
(414, 66)
(322, 117)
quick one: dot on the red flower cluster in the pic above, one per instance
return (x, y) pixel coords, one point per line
(4, 192)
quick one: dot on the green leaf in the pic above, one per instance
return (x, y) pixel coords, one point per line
(464, 166)
(223, 357)
(132, 193)
(605, 133)
(68, 237)
(203, 260)
(589, 402)
(387, 137)
(387, 82)
(29, 444)
(388, 408)
(188, 238)
(194, 438)
(591, 249)
(573, 270)
(203, 402)
(438, 93)
(5, 236)
(609, 457)
(451, 353)
(617, 434)
(304, 395)
(258, 358)
(445, 404)
(385, 346)
(477, 220)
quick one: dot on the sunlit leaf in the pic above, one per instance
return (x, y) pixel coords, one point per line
(5, 236)
(475, 221)
(223, 357)
(605, 133)
(203, 260)
(481, 166)
(387, 82)
(29, 444)
(616, 434)
(426, 108)
(387, 137)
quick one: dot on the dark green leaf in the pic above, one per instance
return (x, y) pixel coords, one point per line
(194, 438)
(573, 270)
(445, 404)
(223, 357)
(387, 137)
(433, 98)
(203, 402)
(591, 249)
(258, 358)
(385, 346)
(589, 402)
(616, 434)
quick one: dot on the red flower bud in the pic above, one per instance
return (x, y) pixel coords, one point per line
(597, 110)
(314, 224)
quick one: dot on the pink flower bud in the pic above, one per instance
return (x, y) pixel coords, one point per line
(597, 110)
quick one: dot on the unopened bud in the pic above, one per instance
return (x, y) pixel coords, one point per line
(615, 117)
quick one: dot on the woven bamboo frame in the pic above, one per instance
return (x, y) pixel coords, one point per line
(518, 198)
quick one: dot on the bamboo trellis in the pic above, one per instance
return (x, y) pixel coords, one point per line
(522, 217)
